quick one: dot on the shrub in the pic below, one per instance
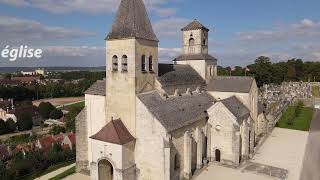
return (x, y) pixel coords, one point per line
(11, 125)
(57, 130)
(24, 121)
(45, 109)
(3, 127)
(56, 114)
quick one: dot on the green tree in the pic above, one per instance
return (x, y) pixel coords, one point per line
(3, 127)
(45, 109)
(57, 130)
(56, 114)
(11, 125)
(24, 121)
(262, 70)
(70, 118)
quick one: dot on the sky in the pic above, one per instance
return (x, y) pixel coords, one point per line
(72, 32)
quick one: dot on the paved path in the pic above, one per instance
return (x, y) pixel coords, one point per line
(311, 164)
(54, 173)
(77, 176)
(284, 149)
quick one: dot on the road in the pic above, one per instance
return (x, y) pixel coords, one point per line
(311, 163)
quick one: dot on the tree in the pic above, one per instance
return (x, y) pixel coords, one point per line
(56, 114)
(24, 121)
(45, 109)
(3, 127)
(11, 125)
(262, 70)
(57, 130)
(70, 118)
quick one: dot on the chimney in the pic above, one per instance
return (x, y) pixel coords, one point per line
(176, 93)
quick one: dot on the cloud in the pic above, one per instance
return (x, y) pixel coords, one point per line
(166, 55)
(305, 29)
(170, 27)
(24, 30)
(87, 6)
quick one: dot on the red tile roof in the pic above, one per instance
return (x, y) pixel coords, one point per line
(46, 142)
(72, 138)
(114, 132)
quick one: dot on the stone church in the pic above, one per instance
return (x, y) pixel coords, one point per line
(151, 121)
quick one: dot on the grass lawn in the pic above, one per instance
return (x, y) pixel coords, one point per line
(79, 104)
(316, 91)
(302, 122)
(64, 174)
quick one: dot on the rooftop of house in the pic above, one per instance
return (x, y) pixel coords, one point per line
(194, 25)
(237, 108)
(230, 84)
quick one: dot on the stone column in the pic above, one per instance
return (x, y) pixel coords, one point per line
(187, 155)
(199, 140)
(252, 141)
(94, 171)
(167, 163)
(245, 141)
(209, 156)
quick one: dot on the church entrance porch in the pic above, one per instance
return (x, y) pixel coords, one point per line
(105, 170)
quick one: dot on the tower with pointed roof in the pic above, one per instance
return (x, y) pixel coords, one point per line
(132, 61)
(195, 50)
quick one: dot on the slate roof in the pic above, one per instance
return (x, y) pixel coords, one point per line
(114, 132)
(177, 112)
(98, 88)
(132, 21)
(230, 84)
(194, 25)
(181, 75)
(185, 57)
(237, 108)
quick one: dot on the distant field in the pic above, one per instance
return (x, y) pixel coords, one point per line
(316, 91)
(59, 101)
(68, 107)
(302, 122)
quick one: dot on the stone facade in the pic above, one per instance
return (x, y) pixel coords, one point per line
(169, 125)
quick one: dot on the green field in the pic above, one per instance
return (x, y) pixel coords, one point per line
(64, 174)
(302, 122)
(316, 91)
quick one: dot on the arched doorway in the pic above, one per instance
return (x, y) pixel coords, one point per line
(218, 155)
(105, 170)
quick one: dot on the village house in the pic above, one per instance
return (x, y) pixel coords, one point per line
(163, 121)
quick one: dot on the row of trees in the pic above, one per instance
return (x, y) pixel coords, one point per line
(267, 72)
(53, 89)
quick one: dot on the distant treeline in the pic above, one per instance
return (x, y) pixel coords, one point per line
(64, 88)
(266, 72)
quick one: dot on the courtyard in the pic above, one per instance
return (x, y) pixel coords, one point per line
(283, 150)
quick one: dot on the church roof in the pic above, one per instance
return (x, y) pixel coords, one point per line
(237, 108)
(132, 21)
(194, 25)
(230, 84)
(97, 88)
(114, 132)
(177, 112)
(179, 75)
(185, 57)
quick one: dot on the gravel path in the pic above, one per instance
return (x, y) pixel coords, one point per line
(56, 172)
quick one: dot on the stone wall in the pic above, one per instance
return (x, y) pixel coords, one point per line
(82, 143)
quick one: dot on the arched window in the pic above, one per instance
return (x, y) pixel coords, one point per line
(191, 45)
(150, 64)
(176, 162)
(143, 63)
(191, 42)
(114, 63)
(124, 63)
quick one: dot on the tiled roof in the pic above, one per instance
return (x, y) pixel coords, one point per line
(114, 132)
(237, 108)
(194, 25)
(177, 112)
(72, 138)
(185, 57)
(132, 21)
(98, 88)
(230, 84)
(181, 75)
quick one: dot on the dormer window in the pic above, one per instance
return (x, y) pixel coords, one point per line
(150, 64)
(124, 63)
(143, 64)
(114, 63)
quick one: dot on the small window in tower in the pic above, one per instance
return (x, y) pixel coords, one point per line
(191, 42)
(150, 64)
(204, 42)
(143, 63)
(114, 63)
(124, 63)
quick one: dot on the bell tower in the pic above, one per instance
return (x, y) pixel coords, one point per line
(132, 61)
(195, 38)
(195, 50)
